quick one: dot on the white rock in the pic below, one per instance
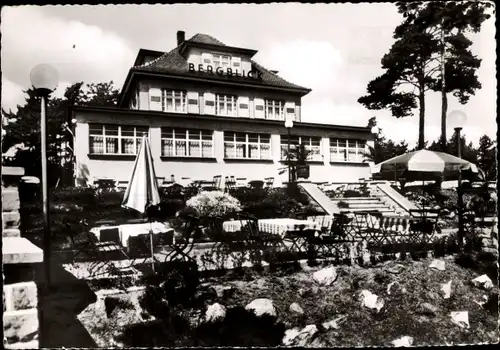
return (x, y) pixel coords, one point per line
(215, 312)
(371, 300)
(294, 307)
(446, 290)
(438, 265)
(334, 324)
(403, 341)
(325, 276)
(483, 282)
(262, 306)
(296, 337)
(460, 318)
(483, 301)
(395, 283)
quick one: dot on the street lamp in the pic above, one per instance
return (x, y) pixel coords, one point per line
(44, 80)
(289, 126)
(457, 120)
(72, 147)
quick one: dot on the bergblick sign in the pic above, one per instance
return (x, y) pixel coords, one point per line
(255, 74)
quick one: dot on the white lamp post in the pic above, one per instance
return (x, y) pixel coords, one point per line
(457, 120)
(44, 79)
(289, 126)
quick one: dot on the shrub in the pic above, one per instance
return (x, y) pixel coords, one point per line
(214, 203)
(343, 205)
(277, 204)
(352, 193)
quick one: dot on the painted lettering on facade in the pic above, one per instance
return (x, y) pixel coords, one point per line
(255, 74)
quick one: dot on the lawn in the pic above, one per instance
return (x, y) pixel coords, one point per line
(415, 308)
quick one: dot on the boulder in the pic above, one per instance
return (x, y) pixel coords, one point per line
(325, 276)
(395, 287)
(427, 309)
(371, 301)
(438, 265)
(483, 282)
(262, 306)
(334, 323)
(446, 290)
(295, 308)
(395, 269)
(215, 312)
(403, 341)
(302, 337)
(460, 318)
(307, 292)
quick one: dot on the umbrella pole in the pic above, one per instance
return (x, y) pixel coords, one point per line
(151, 245)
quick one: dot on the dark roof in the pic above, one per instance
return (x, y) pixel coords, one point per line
(174, 63)
(206, 39)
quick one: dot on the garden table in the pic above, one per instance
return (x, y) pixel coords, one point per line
(131, 230)
(274, 226)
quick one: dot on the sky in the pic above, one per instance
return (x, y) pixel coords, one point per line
(333, 49)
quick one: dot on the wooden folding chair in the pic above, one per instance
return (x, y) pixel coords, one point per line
(181, 247)
(86, 243)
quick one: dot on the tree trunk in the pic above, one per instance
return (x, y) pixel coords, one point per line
(444, 98)
(421, 120)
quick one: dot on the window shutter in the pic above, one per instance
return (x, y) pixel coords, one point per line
(236, 63)
(193, 105)
(209, 107)
(155, 99)
(206, 59)
(259, 108)
(243, 107)
(290, 110)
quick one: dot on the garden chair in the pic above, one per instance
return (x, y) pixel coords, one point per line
(183, 245)
(423, 226)
(331, 242)
(86, 243)
(229, 184)
(269, 181)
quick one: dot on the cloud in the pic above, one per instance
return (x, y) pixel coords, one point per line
(12, 95)
(312, 64)
(327, 111)
(80, 52)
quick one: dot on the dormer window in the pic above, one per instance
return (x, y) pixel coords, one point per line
(222, 61)
(174, 101)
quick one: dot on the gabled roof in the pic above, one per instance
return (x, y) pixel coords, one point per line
(174, 63)
(206, 39)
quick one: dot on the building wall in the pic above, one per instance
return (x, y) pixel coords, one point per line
(119, 167)
(146, 86)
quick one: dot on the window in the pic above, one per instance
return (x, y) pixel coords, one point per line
(274, 109)
(312, 144)
(114, 139)
(173, 101)
(344, 150)
(239, 145)
(226, 105)
(180, 142)
(221, 61)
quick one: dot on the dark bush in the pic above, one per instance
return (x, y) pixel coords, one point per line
(174, 282)
(277, 204)
(240, 328)
(352, 193)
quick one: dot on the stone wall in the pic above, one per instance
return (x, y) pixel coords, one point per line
(21, 259)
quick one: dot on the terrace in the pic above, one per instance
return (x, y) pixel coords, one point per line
(281, 246)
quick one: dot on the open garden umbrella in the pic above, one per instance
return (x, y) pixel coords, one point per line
(142, 190)
(424, 165)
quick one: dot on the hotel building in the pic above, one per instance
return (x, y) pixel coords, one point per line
(210, 109)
